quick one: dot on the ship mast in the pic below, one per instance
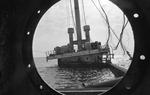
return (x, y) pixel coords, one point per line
(78, 26)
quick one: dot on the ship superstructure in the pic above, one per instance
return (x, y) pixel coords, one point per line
(87, 54)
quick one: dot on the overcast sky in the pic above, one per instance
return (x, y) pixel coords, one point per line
(52, 28)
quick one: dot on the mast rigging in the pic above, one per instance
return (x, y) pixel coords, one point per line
(71, 7)
(78, 24)
(111, 30)
(107, 21)
(83, 8)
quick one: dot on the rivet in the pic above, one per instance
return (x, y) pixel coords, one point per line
(29, 65)
(38, 11)
(128, 87)
(136, 15)
(142, 57)
(28, 33)
(41, 87)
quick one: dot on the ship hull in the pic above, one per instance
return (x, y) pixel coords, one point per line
(83, 61)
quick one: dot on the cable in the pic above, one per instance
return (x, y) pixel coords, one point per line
(107, 21)
(73, 18)
(72, 15)
(83, 12)
(100, 14)
(67, 11)
(111, 30)
(121, 36)
(98, 9)
(122, 31)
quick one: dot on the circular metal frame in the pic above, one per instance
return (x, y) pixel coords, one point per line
(131, 80)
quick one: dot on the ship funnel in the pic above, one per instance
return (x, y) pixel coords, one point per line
(70, 32)
(87, 34)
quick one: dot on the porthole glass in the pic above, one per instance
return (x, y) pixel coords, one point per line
(77, 41)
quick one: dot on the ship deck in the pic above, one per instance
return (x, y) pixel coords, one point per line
(80, 53)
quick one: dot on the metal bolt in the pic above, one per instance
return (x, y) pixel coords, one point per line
(142, 57)
(136, 15)
(41, 87)
(128, 87)
(38, 11)
(29, 66)
(28, 33)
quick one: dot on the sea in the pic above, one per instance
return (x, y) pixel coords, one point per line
(72, 78)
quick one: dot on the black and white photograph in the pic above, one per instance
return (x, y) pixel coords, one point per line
(74, 47)
(83, 45)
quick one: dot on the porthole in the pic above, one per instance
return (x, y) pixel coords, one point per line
(58, 27)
